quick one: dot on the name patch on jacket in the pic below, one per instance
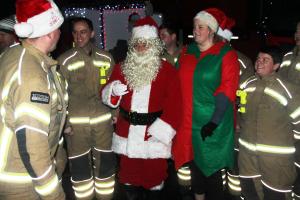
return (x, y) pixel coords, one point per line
(40, 97)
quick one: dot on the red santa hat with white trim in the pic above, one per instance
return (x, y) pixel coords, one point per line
(36, 18)
(145, 28)
(217, 21)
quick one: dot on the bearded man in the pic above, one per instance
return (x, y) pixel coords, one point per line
(146, 90)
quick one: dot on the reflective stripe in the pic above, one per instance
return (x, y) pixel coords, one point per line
(250, 89)
(85, 187)
(267, 148)
(54, 96)
(245, 83)
(100, 150)
(5, 141)
(234, 187)
(16, 178)
(6, 88)
(69, 57)
(297, 122)
(285, 88)
(88, 120)
(32, 111)
(288, 53)
(105, 191)
(184, 173)
(285, 63)
(100, 63)
(47, 188)
(66, 97)
(281, 99)
(43, 175)
(296, 113)
(72, 157)
(20, 66)
(85, 194)
(242, 63)
(298, 66)
(297, 165)
(31, 128)
(3, 113)
(104, 56)
(275, 189)
(253, 176)
(76, 65)
(105, 184)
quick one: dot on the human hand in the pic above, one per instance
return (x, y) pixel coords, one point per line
(207, 130)
(68, 131)
(119, 89)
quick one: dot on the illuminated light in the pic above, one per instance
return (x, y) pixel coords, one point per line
(190, 36)
(235, 37)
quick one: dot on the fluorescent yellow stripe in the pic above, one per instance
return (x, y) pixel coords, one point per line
(32, 111)
(101, 118)
(79, 120)
(83, 188)
(234, 187)
(80, 195)
(17, 178)
(88, 120)
(6, 88)
(234, 181)
(296, 113)
(104, 191)
(48, 188)
(76, 65)
(102, 64)
(276, 96)
(285, 63)
(105, 185)
(6, 137)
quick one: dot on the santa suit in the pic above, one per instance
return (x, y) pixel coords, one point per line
(145, 148)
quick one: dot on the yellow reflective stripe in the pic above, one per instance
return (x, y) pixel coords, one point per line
(101, 118)
(20, 66)
(3, 113)
(66, 97)
(102, 81)
(31, 128)
(267, 148)
(72, 157)
(184, 170)
(85, 194)
(6, 88)
(108, 184)
(44, 175)
(275, 189)
(298, 66)
(242, 63)
(285, 63)
(79, 120)
(16, 178)
(32, 111)
(5, 141)
(104, 191)
(281, 99)
(47, 188)
(245, 83)
(76, 65)
(54, 96)
(296, 113)
(85, 187)
(88, 120)
(103, 64)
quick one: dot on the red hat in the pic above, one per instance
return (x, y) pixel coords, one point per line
(36, 18)
(217, 21)
(145, 28)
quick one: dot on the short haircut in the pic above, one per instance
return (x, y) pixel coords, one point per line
(274, 51)
(172, 29)
(82, 19)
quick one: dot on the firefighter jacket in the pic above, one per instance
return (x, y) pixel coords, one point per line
(246, 67)
(33, 113)
(269, 130)
(85, 75)
(290, 66)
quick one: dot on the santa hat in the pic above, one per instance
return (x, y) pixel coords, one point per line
(145, 28)
(36, 18)
(217, 21)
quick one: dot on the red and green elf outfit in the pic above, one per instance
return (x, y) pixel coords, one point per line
(203, 75)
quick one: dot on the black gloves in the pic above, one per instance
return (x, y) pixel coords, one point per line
(207, 129)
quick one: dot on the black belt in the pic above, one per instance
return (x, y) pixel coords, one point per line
(135, 118)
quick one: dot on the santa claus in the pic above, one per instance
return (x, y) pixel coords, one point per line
(146, 90)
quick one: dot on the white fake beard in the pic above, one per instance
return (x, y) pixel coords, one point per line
(140, 69)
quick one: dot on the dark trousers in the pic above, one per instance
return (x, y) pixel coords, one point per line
(140, 193)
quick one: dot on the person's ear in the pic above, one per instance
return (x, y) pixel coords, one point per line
(276, 66)
(92, 34)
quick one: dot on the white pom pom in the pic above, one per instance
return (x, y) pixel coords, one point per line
(23, 29)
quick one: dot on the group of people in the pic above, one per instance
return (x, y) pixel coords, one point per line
(164, 109)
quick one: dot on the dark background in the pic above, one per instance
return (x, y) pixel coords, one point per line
(256, 20)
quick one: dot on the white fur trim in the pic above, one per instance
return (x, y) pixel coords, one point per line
(226, 34)
(23, 29)
(162, 131)
(140, 99)
(42, 24)
(107, 93)
(208, 19)
(146, 32)
(141, 149)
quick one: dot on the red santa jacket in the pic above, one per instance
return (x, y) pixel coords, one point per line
(163, 94)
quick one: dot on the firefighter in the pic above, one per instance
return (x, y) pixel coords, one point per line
(290, 65)
(89, 127)
(33, 106)
(269, 131)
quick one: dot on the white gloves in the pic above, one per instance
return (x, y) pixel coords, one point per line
(119, 89)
